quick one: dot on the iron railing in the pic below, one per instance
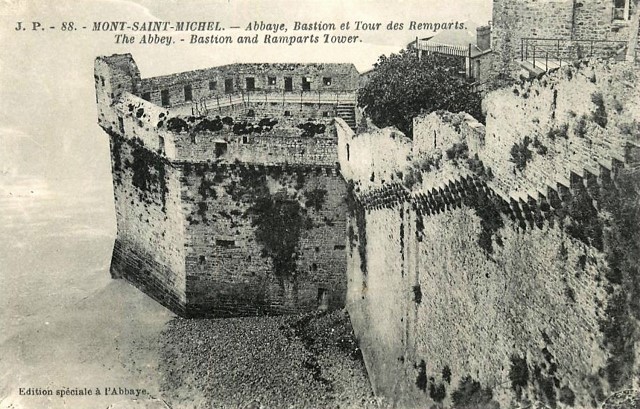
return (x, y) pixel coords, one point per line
(554, 52)
(446, 49)
(215, 103)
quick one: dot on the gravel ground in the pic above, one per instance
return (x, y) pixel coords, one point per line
(302, 361)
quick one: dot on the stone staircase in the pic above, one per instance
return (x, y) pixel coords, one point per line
(537, 67)
(348, 113)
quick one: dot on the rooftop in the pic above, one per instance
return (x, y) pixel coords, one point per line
(464, 40)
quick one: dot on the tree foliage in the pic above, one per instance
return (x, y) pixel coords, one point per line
(402, 86)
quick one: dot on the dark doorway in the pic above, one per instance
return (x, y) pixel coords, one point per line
(228, 85)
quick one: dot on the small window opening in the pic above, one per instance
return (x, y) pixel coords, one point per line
(251, 84)
(621, 10)
(164, 96)
(225, 243)
(306, 84)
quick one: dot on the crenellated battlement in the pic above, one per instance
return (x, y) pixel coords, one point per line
(479, 252)
(577, 123)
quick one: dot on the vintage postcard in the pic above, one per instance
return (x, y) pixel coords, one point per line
(319, 204)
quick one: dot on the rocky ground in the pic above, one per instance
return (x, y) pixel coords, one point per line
(302, 361)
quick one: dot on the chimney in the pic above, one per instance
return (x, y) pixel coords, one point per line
(483, 37)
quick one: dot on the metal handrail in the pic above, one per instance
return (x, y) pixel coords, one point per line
(217, 102)
(460, 51)
(562, 50)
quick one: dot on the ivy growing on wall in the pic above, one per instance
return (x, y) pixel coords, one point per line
(315, 198)
(580, 129)
(424, 164)
(518, 375)
(558, 131)
(116, 154)
(149, 173)
(458, 151)
(584, 223)
(358, 213)
(619, 201)
(470, 394)
(490, 219)
(599, 116)
(477, 166)
(521, 154)
(279, 222)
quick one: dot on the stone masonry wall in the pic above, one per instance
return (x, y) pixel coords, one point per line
(140, 119)
(531, 303)
(150, 245)
(228, 272)
(211, 82)
(225, 219)
(554, 19)
(372, 168)
(285, 143)
(577, 121)
(253, 109)
(373, 288)
(113, 76)
(499, 286)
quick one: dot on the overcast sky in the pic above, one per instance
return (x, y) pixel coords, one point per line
(47, 100)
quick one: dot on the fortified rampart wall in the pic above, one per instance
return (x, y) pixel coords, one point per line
(284, 143)
(247, 225)
(507, 271)
(543, 135)
(232, 79)
(251, 108)
(149, 249)
(228, 216)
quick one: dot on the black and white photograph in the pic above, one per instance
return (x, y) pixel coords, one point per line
(358, 204)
